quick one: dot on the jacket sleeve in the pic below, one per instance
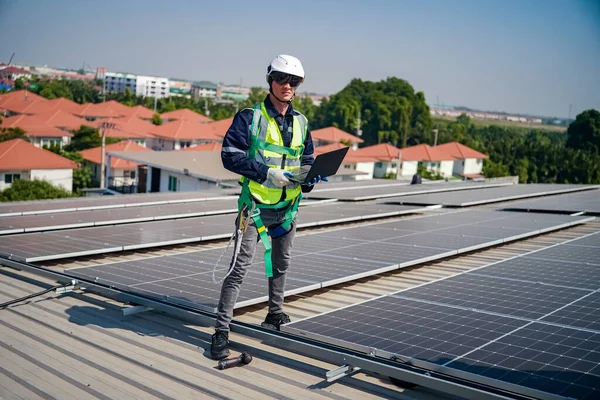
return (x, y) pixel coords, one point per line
(235, 146)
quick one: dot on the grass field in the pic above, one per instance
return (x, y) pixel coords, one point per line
(488, 122)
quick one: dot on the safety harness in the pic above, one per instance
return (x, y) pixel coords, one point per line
(248, 208)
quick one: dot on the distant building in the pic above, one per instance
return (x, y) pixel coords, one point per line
(140, 85)
(333, 135)
(233, 92)
(13, 73)
(22, 160)
(204, 89)
(468, 163)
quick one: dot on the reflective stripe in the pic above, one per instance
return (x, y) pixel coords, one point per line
(232, 150)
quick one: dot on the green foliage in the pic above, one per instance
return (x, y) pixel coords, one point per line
(584, 132)
(82, 178)
(156, 119)
(12, 133)
(389, 110)
(76, 90)
(87, 137)
(19, 84)
(21, 190)
(427, 174)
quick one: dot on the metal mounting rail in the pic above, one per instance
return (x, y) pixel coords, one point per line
(314, 349)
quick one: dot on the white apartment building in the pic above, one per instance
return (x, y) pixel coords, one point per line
(141, 85)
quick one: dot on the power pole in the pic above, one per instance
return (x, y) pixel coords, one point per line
(570, 107)
(358, 130)
(436, 130)
(104, 126)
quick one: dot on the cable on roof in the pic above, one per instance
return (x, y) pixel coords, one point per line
(11, 302)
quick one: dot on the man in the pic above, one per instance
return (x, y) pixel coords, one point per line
(263, 145)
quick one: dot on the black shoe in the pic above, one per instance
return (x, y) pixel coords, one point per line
(274, 321)
(219, 347)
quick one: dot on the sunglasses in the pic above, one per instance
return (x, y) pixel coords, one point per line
(282, 78)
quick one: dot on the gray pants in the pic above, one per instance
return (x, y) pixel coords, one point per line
(280, 255)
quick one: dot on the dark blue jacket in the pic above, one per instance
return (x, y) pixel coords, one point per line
(237, 142)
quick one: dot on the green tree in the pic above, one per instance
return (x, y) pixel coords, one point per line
(82, 178)
(12, 133)
(256, 96)
(21, 190)
(87, 137)
(584, 132)
(19, 84)
(156, 119)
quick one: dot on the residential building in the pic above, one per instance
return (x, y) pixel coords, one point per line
(433, 159)
(140, 85)
(233, 92)
(204, 89)
(180, 134)
(20, 159)
(19, 102)
(131, 128)
(468, 163)
(184, 114)
(178, 171)
(386, 156)
(180, 88)
(122, 172)
(39, 132)
(332, 135)
(359, 167)
(14, 73)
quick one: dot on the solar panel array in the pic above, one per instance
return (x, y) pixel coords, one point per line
(324, 258)
(379, 192)
(490, 195)
(40, 246)
(104, 202)
(587, 202)
(530, 324)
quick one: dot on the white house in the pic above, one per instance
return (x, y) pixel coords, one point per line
(180, 134)
(177, 171)
(468, 163)
(38, 131)
(432, 158)
(385, 158)
(123, 172)
(333, 135)
(360, 167)
(20, 159)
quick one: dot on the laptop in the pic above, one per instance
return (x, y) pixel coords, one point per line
(326, 164)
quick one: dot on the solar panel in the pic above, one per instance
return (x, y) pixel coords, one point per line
(319, 259)
(587, 202)
(361, 194)
(489, 195)
(530, 324)
(32, 247)
(104, 202)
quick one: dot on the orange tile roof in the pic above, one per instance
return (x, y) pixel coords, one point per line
(56, 104)
(62, 119)
(100, 110)
(20, 102)
(460, 151)
(215, 146)
(142, 112)
(185, 114)
(424, 152)
(95, 154)
(186, 130)
(126, 128)
(381, 152)
(334, 135)
(352, 156)
(17, 154)
(34, 126)
(220, 127)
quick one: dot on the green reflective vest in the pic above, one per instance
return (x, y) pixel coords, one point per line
(266, 147)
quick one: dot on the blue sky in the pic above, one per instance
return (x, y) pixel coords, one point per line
(530, 56)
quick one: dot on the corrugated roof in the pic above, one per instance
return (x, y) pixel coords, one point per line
(185, 114)
(17, 154)
(95, 154)
(334, 135)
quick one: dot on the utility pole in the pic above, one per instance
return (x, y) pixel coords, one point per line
(436, 130)
(570, 108)
(358, 130)
(104, 126)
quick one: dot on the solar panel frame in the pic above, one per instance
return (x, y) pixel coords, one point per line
(559, 318)
(319, 258)
(188, 230)
(490, 195)
(587, 202)
(360, 194)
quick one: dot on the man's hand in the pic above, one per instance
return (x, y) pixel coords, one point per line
(316, 180)
(278, 177)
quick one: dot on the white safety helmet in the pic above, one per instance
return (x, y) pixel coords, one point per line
(286, 64)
